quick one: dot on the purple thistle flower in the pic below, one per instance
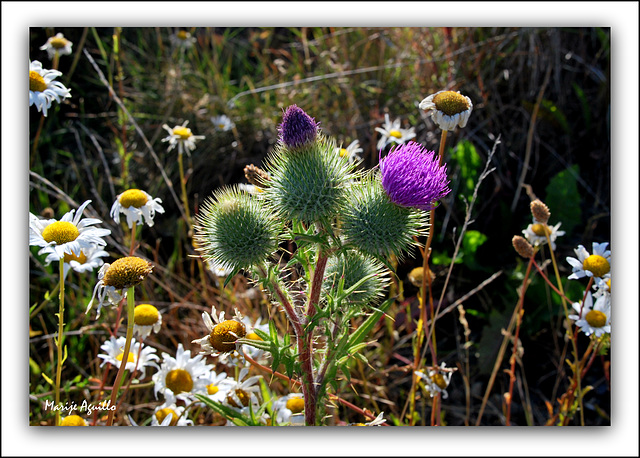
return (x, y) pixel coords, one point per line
(411, 176)
(297, 128)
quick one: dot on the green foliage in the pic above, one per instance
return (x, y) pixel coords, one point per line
(563, 199)
(467, 164)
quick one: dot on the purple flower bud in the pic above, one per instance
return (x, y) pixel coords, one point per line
(411, 176)
(297, 128)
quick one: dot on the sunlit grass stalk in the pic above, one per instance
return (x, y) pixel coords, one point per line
(125, 355)
(59, 340)
(183, 188)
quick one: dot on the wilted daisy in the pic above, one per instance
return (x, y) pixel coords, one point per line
(73, 420)
(352, 152)
(182, 39)
(535, 233)
(114, 280)
(43, 89)
(242, 393)
(436, 380)
(140, 356)
(597, 264)
(57, 45)
(181, 136)
(182, 377)
(393, 133)
(136, 205)
(71, 235)
(289, 410)
(448, 109)
(593, 318)
(222, 123)
(223, 334)
(146, 318)
(170, 415)
(411, 176)
(86, 261)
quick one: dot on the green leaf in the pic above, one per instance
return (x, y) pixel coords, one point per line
(468, 163)
(48, 379)
(563, 199)
(227, 412)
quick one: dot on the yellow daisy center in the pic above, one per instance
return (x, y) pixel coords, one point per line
(295, 405)
(162, 414)
(608, 282)
(59, 42)
(60, 232)
(395, 133)
(212, 389)
(145, 315)
(343, 152)
(439, 380)
(596, 319)
(597, 265)
(225, 334)
(126, 272)
(243, 396)
(130, 357)
(183, 35)
(541, 230)
(73, 420)
(182, 132)
(133, 198)
(451, 102)
(81, 258)
(36, 82)
(179, 381)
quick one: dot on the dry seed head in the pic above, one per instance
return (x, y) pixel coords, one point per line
(540, 211)
(127, 272)
(522, 247)
(256, 176)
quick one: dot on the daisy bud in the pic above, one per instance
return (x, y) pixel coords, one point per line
(412, 177)
(522, 247)
(540, 211)
(298, 128)
(235, 230)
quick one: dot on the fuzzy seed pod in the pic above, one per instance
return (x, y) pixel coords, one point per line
(256, 176)
(234, 230)
(377, 226)
(353, 267)
(540, 211)
(522, 247)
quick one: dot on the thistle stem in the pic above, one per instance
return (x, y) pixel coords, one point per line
(59, 341)
(125, 356)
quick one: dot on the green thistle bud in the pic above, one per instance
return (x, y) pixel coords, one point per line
(353, 267)
(309, 185)
(234, 230)
(377, 226)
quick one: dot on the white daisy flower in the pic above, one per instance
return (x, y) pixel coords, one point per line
(115, 279)
(181, 136)
(378, 421)
(57, 45)
(223, 334)
(89, 259)
(593, 318)
(146, 318)
(535, 233)
(436, 380)
(220, 386)
(249, 188)
(136, 205)
(602, 286)
(170, 415)
(253, 352)
(71, 235)
(352, 152)
(43, 89)
(217, 269)
(448, 109)
(289, 410)
(597, 264)
(140, 356)
(182, 39)
(182, 377)
(222, 123)
(393, 133)
(242, 394)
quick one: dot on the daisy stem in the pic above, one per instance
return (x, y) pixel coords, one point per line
(59, 341)
(183, 187)
(133, 239)
(125, 355)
